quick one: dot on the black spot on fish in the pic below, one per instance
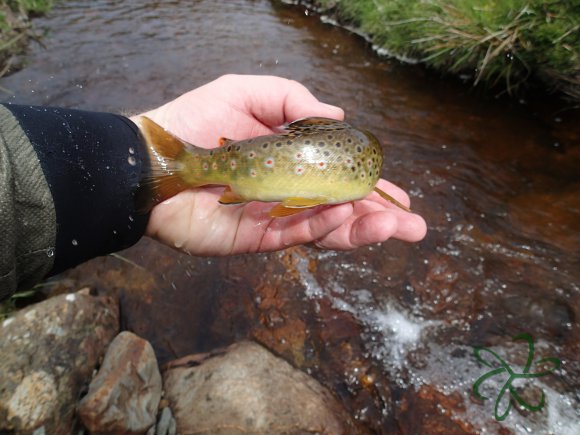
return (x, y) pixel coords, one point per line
(359, 149)
(229, 148)
(374, 151)
(307, 142)
(329, 137)
(289, 142)
(238, 147)
(349, 140)
(321, 144)
(359, 164)
(278, 144)
(327, 153)
(265, 145)
(338, 144)
(211, 153)
(353, 168)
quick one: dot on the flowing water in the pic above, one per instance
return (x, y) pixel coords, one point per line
(390, 329)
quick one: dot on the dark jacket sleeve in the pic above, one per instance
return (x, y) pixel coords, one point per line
(88, 166)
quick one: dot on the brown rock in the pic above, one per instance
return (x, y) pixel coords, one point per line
(249, 390)
(49, 351)
(124, 395)
(433, 412)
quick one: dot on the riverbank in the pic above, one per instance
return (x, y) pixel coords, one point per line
(504, 45)
(16, 30)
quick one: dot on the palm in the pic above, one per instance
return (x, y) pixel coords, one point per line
(241, 107)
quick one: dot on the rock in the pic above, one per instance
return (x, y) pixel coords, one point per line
(166, 424)
(431, 411)
(124, 395)
(249, 390)
(49, 352)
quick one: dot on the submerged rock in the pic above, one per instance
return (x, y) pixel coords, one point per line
(49, 351)
(249, 390)
(124, 395)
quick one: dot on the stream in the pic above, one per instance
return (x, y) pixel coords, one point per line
(389, 329)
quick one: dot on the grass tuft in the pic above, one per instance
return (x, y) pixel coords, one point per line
(15, 29)
(495, 42)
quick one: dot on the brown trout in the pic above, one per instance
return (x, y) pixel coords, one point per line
(314, 161)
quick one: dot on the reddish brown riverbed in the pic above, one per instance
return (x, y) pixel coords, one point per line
(390, 329)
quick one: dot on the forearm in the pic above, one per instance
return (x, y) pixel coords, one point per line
(68, 187)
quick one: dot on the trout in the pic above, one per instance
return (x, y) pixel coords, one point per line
(314, 161)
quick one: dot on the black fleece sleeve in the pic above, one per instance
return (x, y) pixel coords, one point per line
(92, 162)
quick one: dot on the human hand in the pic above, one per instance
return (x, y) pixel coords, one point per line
(239, 107)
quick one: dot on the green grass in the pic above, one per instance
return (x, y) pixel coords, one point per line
(501, 43)
(15, 28)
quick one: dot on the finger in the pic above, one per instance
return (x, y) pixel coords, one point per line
(362, 228)
(305, 227)
(411, 228)
(275, 101)
(300, 103)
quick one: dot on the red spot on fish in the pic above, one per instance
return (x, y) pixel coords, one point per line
(321, 165)
(299, 170)
(269, 162)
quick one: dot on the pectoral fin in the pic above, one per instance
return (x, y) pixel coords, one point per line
(292, 206)
(391, 199)
(230, 198)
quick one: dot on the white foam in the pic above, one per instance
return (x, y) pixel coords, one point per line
(391, 332)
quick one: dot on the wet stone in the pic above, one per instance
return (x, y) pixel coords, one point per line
(49, 351)
(124, 395)
(249, 390)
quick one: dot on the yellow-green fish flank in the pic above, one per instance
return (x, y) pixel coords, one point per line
(314, 161)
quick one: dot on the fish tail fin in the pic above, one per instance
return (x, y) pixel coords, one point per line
(162, 179)
(392, 200)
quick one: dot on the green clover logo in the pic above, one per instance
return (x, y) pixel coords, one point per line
(504, 367)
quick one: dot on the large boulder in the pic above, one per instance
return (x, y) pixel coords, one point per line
(49, 352)
(249, 390)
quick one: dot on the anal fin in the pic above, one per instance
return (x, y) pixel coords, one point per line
(230, 198)
(292, 206)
